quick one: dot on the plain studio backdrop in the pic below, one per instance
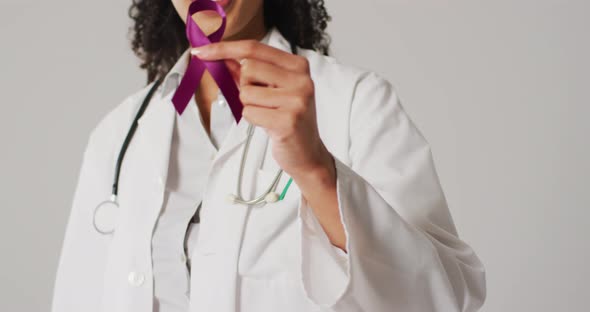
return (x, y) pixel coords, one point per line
(498, 88)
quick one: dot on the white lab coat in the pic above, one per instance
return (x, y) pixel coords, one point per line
(403, 250)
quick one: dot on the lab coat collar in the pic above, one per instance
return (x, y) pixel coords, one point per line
(157, 123)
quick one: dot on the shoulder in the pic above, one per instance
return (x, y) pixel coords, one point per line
(341, 88)
(330, 72)
(347, 98)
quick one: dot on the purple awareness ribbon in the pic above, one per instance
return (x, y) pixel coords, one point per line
(196, 67)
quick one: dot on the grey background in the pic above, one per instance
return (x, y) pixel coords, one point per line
(499, 88)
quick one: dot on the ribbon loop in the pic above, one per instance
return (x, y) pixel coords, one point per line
(196, 67)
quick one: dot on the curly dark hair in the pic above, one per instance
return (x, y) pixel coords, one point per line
(158, 33)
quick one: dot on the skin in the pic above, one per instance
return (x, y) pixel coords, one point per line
(278, 95)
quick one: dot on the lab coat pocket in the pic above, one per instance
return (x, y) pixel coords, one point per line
(280, 293)
(270, 236)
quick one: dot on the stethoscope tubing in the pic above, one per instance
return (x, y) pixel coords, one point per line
(269, 195)
(130, 135)
(113, 201)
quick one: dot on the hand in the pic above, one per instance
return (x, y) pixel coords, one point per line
(278, 95)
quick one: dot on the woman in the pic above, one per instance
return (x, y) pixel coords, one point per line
(364, 225)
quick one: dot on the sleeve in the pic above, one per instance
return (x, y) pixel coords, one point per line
(403, 251)
(83, 253)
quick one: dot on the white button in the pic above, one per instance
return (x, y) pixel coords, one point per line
(220, 99)
(135, 278)
(212, 157)
(183, 258)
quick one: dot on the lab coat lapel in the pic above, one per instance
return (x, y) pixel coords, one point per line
(154, 138)
(233, 218)
(221, 233)
(236, 135)
(142, 183)
(157, 125)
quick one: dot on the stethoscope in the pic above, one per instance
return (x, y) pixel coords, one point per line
(111, 205)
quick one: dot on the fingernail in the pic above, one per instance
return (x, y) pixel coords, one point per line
(197, 51)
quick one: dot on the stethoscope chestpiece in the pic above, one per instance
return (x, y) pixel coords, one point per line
(104, 218)
(270, 197)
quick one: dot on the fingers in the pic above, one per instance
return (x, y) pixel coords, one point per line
(264, 117)
(252, 49)
(266, 86)
(255, 72)
(270, 97)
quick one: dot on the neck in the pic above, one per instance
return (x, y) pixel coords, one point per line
(255, 29)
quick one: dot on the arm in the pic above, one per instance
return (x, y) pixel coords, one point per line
(403, 251)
